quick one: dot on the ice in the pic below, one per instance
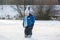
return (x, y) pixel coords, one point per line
(43, 30)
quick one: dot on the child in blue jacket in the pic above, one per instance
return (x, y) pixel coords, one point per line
(28, 23)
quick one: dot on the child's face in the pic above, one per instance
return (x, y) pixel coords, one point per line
(27, 14)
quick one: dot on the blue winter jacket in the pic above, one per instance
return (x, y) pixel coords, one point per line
(30, 20)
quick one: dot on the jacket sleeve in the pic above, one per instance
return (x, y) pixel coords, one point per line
(32, 20)
(23, 22)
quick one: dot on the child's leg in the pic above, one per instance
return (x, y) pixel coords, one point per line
(30, 31)
(26, 31)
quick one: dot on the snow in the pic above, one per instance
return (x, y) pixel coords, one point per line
(10, 10)
(57, 7)
(43, 30)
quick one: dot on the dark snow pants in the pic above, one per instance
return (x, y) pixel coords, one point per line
(28, 30)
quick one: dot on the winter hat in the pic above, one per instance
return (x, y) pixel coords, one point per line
(27, 11)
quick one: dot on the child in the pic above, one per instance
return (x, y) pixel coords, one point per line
(28, 23)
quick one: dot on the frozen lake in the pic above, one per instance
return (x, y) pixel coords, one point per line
(43, 30)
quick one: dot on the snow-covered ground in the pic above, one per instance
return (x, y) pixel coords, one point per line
(43, 30)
